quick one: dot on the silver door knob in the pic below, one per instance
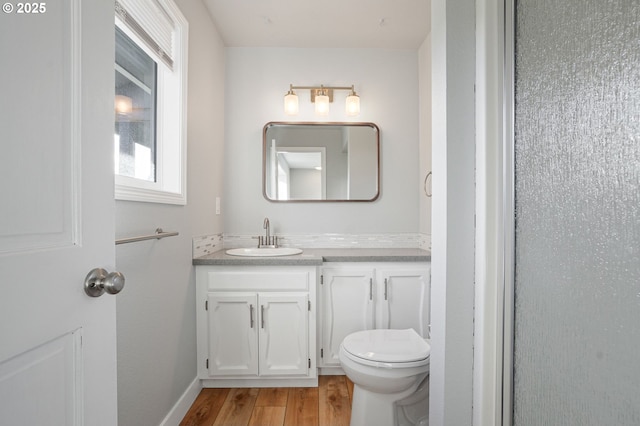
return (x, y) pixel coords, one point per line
(99, 280)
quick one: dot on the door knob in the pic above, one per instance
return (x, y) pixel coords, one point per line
(99, 280)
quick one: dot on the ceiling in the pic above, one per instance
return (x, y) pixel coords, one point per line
(302, 160)
(393, 24)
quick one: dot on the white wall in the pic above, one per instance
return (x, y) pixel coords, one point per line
(305, 183)
(452, 285)
(490, 230)
(387, 82)
(155, 311)
(424, 89)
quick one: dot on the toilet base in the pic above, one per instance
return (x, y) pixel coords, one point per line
(414, 409)
(407, 408)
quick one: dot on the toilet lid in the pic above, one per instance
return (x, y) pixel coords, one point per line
(387, 345)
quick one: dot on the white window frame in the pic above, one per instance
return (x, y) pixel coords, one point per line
(171, 122)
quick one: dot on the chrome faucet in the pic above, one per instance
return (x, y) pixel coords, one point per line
(265, 225)
(267, 240)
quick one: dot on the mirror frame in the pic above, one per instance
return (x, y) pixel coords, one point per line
(266, 127)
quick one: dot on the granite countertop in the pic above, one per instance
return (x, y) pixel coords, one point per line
(319, 256)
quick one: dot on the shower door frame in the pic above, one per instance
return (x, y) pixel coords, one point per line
(508, 296)
(495, 215)
(494, 267)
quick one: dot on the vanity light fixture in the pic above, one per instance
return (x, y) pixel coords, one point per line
(321, 96)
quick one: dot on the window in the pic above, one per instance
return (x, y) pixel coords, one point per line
(135, 130)
(150, 102)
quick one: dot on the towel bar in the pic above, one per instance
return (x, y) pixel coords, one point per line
(157, 236)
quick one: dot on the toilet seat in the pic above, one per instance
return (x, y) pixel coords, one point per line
(387, 348)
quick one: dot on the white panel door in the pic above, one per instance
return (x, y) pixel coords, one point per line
(403, 299)
(348, 306)
(233, 335)
(284, 334)
(58, 345)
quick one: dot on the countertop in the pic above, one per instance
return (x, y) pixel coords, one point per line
(320, 256)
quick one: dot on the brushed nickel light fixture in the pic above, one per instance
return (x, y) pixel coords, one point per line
(321, 96)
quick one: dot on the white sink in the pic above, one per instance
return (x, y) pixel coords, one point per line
(264, 252)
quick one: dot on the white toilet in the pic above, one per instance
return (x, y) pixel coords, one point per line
(390, 372)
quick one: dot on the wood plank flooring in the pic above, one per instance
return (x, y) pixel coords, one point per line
(327, 405)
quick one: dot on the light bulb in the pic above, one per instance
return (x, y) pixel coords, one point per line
(291, 103)
(322, 105)
(352, 105)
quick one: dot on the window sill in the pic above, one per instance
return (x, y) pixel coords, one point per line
(128, 193)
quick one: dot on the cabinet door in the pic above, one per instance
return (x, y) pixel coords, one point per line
(233, 336)
(403, 299)
(284, 338)
(348, 301)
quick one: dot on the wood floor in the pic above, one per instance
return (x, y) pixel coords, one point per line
(327, 405)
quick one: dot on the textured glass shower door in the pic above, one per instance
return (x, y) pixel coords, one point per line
(577, 202)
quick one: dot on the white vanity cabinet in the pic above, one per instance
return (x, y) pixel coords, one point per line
(347, 298)
(363, 296)
(256, 325)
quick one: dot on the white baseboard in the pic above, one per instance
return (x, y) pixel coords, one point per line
(330, 371)
(183, 404)
(262, 382)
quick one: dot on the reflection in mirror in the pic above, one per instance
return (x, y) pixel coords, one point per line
(321, 161)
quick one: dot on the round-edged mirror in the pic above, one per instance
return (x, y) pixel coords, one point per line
(320, 162)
